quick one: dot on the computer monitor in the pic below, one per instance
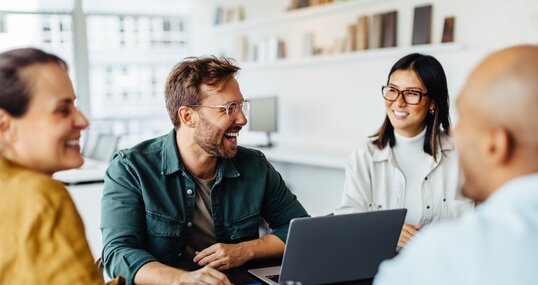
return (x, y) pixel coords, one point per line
(263, 116)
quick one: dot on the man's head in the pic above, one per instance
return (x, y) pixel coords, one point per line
(496, 132)
(203, 99)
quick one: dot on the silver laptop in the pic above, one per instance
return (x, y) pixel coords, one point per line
(333, 249)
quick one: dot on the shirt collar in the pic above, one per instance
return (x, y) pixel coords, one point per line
(171, 161)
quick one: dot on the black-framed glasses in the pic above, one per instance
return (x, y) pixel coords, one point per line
(231, 109)
(410, 96)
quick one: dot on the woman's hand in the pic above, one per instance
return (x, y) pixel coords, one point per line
(408, 231)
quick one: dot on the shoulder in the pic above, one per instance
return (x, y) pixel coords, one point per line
(446, 143)
(43, 187)
(147, 147)
(250, 155)
(366, 150)
(34, 190)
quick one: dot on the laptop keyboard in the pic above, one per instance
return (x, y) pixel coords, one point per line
(273, 277)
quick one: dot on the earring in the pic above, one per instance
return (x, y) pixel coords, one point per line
(432, 111)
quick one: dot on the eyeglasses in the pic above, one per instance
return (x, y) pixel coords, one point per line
(231, 109)
(411, 97)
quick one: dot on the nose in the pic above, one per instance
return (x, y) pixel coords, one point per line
(80, 121)
(400, 100)
(241, 118)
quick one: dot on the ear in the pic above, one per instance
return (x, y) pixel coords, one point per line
(186, 116)
(7, 127)
(5, 121)
(432, 105)
(501, 146)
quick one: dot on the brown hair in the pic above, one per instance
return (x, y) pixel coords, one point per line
(184, 82)
(15, 94)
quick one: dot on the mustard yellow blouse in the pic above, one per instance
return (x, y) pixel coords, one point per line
(42, 238)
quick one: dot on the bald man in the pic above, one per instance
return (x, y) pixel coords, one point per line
(497, 139)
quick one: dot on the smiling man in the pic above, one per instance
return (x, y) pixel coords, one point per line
(178, 208)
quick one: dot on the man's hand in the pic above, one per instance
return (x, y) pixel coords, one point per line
(408, 231)
(223, 256)
(206, 275)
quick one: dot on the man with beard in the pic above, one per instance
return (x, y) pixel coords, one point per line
(194, 198)
(497, 140)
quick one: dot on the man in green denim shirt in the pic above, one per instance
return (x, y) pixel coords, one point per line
(193, 197)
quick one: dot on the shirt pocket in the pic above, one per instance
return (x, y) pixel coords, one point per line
(455, 208)
(244, 228)
(165, 240)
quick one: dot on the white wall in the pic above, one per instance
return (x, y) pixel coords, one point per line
(338, 103)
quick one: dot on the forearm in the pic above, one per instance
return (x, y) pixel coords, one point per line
(268, 246)
(156, 273)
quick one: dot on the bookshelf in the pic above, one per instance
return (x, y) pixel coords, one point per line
(281, 39)
(353, 56)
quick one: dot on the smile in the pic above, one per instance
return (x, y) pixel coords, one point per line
(400, 114)
(231, 135)
(72, 143)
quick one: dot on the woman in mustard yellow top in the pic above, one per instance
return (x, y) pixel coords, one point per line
(42, 237)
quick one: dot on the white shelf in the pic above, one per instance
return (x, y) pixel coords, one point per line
(352, 56)
(311, 156)
(294, 15)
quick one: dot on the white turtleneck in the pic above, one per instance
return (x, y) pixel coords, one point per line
(414, 163)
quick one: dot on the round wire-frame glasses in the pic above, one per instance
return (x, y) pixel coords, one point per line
(231, 109)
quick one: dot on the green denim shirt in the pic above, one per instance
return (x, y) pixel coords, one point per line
(148, 204)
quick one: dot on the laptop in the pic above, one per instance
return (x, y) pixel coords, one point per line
(340, 248)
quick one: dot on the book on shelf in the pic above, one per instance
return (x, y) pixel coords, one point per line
(308, 44)
(281, 49)
(448, 30)
(422, 25)
(219, 15)
(241, 48)
(361, 38)
(374, 38)
(390, 29)
(351, 38)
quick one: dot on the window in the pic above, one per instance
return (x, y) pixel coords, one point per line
(129, 49)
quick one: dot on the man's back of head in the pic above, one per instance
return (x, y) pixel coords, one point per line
(498, 146)
(496, 133)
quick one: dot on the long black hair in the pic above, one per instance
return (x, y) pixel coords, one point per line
(432, 75)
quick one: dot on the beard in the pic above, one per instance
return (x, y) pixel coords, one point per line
(210, 138)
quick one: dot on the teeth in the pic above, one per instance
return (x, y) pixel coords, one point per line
(72, 143)
(398, 113)
(231, 134)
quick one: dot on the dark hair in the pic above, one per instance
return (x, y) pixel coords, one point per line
(184, 82)
(432, 75)
(15, 92)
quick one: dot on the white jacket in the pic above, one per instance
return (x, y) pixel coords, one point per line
(373, 182)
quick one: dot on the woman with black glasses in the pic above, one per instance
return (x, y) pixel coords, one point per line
(410, 162)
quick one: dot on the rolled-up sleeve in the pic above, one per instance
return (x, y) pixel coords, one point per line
(123, 222)
(280, 205)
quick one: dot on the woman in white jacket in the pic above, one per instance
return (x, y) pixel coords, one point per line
(410, 162)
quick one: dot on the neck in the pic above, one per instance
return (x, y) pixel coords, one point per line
(195, 159)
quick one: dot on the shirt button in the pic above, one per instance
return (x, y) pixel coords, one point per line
(189, 192)
(427, 207)
(189, 224)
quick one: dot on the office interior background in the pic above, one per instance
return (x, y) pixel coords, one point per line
(120, 53)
